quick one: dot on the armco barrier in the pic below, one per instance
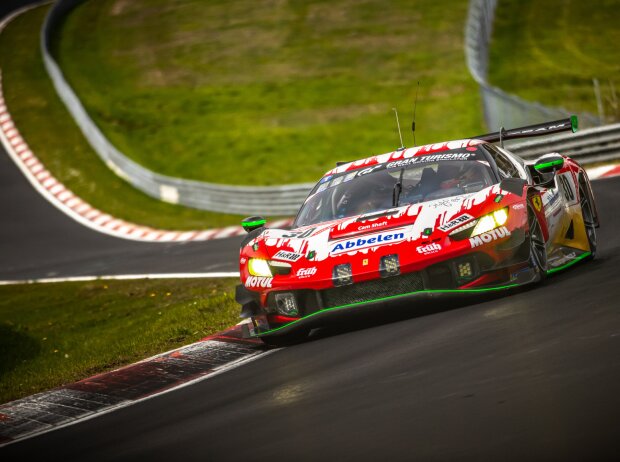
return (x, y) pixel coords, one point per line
(501, 108)
(588, 146)
(273, 200)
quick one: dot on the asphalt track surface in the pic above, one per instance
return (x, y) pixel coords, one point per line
(39, 241)
(530, 375)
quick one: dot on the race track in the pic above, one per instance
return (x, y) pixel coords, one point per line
(532, 375)
(39, 241)
(529, 375)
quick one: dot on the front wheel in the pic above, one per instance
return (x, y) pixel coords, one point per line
(538, 251)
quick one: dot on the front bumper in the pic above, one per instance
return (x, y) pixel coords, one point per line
(445, 278)
(260, 326)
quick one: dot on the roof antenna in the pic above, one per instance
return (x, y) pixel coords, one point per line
(415, 105)
(402, 146)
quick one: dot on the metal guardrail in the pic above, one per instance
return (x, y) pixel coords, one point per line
(587, 146)
(593, 145)
(251, 200)
(501, 108)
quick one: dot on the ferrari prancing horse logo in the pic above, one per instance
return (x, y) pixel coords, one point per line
(537, 203)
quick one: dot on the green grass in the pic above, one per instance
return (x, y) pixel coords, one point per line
(53, 334)
(268, 92)
(55, 139)
(549, 51)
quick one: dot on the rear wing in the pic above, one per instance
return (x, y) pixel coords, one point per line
(545, 128)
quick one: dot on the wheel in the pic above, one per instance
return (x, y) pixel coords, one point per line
(296, 336)
(588, 220)
(538, 251)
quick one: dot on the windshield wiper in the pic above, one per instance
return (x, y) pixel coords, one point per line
(398, 188)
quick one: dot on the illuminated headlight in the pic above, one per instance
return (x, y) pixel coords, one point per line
(490, 221)
(342, 275)
(286, 304)
(259, 267)
(389, 266)
(267, 268)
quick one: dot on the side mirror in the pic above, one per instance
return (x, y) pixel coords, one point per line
(545, 168)
(549, 163)
(252, 223)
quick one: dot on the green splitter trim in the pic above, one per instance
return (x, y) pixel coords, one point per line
(254, 223)
(391, 297)
(570, 263)
(446, 291)
(549, 164)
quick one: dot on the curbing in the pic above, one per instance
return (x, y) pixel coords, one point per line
(67, 202)
(88, 398)
(251, 200)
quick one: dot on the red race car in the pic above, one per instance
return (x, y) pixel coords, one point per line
(454, 217)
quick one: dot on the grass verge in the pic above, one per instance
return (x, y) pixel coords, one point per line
(550, 51)
(55, 139)
(53, 334)
(268, 92)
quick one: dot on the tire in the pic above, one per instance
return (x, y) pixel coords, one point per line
(588, 220)
(538, 251)
(297, 336)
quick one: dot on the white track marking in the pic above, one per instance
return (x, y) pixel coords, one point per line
(123, 277)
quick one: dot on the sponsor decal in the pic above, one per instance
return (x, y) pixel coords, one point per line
(306, 272)
(322, 187)
(537, 203)
(242, 260)
(518, 206)
(449, 202)
(492, 235)
(372, 240)
(258, 281)
(430, 158)
(349, 177)
(368, 170)
(298, 234)
(287, 256)
(311, 255)
(552, 197)
(372, 225)
(365, 262)
(456, 222)
(428, 249)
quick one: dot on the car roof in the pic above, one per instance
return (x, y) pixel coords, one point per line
(404, 154)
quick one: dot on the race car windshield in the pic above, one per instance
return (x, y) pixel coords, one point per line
(383, 186)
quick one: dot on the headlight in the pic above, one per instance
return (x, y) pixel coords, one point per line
(491, 221)
(267, 268)
(259, 267)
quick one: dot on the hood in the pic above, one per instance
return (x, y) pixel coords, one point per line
(373, 230)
